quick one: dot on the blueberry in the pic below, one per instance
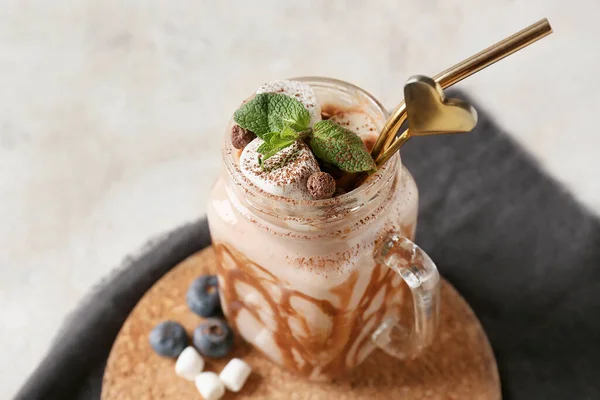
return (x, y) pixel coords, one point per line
(168, 339)
(203, 296)
(213, 338)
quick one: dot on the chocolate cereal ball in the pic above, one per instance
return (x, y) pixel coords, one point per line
(321, 185)
(240, 137)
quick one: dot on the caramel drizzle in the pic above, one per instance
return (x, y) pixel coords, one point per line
(329, 353)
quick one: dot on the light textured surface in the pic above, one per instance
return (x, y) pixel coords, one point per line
(112, 112)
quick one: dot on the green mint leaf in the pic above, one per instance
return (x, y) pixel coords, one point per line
(271, 112)
(287, 111)
(275, 142)
(263, 148)
(339, 146)
(253, 115)
(288, 133)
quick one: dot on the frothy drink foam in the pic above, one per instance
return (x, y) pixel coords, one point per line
(297, 278)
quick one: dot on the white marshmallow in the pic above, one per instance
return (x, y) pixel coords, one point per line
(235, 374)
(285, 174)
(210, 386)
(298, 90)
(189, 364)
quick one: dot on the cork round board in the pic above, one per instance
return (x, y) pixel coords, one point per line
(459, 365)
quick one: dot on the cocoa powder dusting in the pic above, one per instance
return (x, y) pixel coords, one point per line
(297, 160)
(334, 210)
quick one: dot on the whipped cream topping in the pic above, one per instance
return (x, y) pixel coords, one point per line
(298, 90)
(285, 174)
(358, 122)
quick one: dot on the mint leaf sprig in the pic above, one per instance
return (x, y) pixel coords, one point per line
(276, 141)
(270, 112)
(341, 147)
(276, 119)
(280, 120)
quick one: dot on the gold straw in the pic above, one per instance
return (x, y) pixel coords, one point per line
(453, 75)
(393, 148)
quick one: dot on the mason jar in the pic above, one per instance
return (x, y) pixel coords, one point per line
(318, 285)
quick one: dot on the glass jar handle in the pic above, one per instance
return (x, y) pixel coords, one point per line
(396, 337)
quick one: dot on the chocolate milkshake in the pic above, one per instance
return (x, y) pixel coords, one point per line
(308, 274)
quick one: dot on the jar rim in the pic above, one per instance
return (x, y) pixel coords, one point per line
(309, 208)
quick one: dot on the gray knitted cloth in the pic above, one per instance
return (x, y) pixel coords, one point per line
(521, 251)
